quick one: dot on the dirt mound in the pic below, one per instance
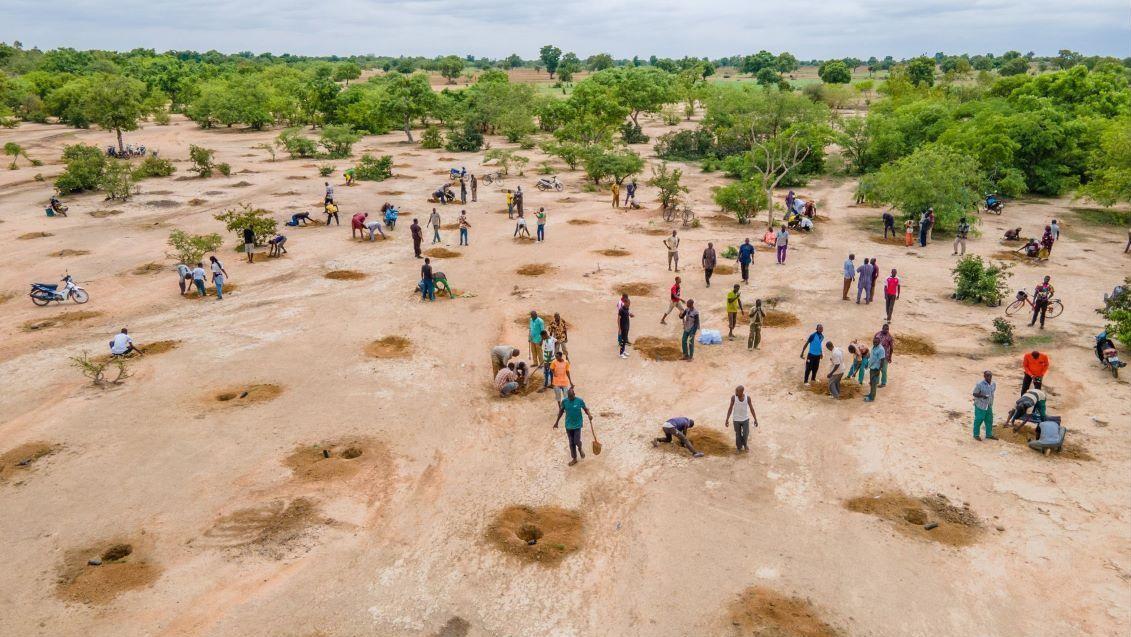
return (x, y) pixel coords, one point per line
(151, 349)
(241, 184)
(21, 458)
(635, 288)
(344, 275)
(197, 201)
(248, 394)
(441, 253)
(67, 252)
(148, 268)
(848, 389)
(535, 269)
(297, 177)
(658, 349)
(390, 193)
(1016, 257)
(269, 529)
(1072, 450)
(454, 627)
(580, 222)
(163, 203)
(913, 345)
(656, 232)
(569, 200)
(59, 320)
(403, 176)
(711, 442)
(724, 269)
(390, 347)
(543, 534)
(763, 612)
(102, 214)
(334, 460)
(613, 252)
(121, 566)
(957, 526)
(778, 318)
(524, 240)
(878, 238)
(35, 235)
(211, 291)
(7, 296)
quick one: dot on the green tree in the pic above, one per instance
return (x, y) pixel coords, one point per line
(921, 71)
(346, 71)
(572, 153)
(601, 162)
(14, 150)
(259, 220)
(408, 97)
(786, 63)
(201, 159)
(751, 64)
(450, 67)
(117, 179)
(84, 166)
(1109, 170)
(743, 198)
(116, 103)
(338, 141)
(550, 56)
(834, 72)
(1016, 66)
(768, 77)
(934, 176)
(191, 248)
(513, 61)
(599, 62)
(371, 168)
(296, 145)
(569, 65)
(667, 181)
(641, 89)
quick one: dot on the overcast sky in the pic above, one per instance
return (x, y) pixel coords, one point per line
(496, 28)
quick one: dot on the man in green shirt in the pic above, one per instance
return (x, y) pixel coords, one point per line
(537, 326)
(572, 406)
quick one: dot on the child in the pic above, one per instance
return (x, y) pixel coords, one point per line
(909, 233)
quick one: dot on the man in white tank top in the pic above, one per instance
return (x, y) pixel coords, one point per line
(741, 409)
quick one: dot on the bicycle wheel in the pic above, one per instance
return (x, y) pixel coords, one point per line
(1014, 307)
(1056, 308)
(669, 214)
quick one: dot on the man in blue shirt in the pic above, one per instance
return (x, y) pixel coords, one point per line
(875, 365)
(677, 427)
(572, 406)
(849, 276)
(811, 352)
(745, 256)
(537, 326)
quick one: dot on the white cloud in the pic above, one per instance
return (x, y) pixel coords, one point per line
(495, 28)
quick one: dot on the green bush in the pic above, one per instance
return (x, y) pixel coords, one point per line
(117, 179)
(731, 252)
(191, 248)
(224, 168)
(201, 159)
(976, 281)
(258, 219)
(467, 139)
(633, 134)
(84, 168)
(325, 170)
(667, 181)
(1117, 311)
(295, 144)
(1003, 332)
(371, 168)
(685, 144)
(432, 138)
(742, 198)
(153, 167)
(526, 143)
(338, 141)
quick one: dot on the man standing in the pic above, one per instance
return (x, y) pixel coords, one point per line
(417, 237)
(672, 244)
(561, 379)
(560, 333)
(676, 300)
(756, 317)
(875, 365)
(849, 276)
(984, 406)
(734, 306)
(537, 326)
(547, 360)
(463, 191)
(781, 240)
(434, 221)
(616, 194)
(836, 359)
(864, 282)
(677, 427)
(464, 225)
(960, 236)
(510, 204)
(875, 279)
(710, 260)
(198, 277)
(572, 406)
(690, 318)
(1042, 294)
(891, 292)
(623, 317)
(249, 243)
(329, 194)
(1055, 227)
(1035, 365)
(887, 341)
(474, 189)
(889, 224)
(428, 284)
(630, 193)
(745, 256)
(811, 352)
(742, 410)
(540, 219)
(924, 226)
(518, 199)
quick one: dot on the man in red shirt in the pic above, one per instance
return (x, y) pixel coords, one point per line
(1035, 365)
(676, 301)
(891, 291)
(1042, 294)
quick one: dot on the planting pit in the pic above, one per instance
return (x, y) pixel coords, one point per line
(613, 252)
(778, 318)
(19, 459)
(67, 252)
(848, 389)
(35, 235)
(913, 345)
(124, 566)
(390, 193)
(210, 291)
(1016, 257)
(724, 269)
(711, 442)
(248, 394)
(580, 222)
(441, 253)
(635, 288)
(535, 269)
(59, 320)
(339, 459)
(102, 214)
(390, 347)
(543, 535)
(163, 203)
(957, 526)
(148, 268)
(764, 612)
(344, 275)
(658, 349)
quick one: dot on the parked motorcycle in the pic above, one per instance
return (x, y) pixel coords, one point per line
(549, 184)
(1108, 355)
(43, 293)
(994, 204)
(129, 151)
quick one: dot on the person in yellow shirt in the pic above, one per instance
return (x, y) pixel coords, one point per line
(734, 306)
(510, 204)
(616, 195)
(562, 381)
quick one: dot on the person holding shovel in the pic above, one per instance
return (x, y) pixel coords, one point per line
(572, 406)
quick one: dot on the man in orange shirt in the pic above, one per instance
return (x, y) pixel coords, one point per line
(1035, 365)
(561, 378)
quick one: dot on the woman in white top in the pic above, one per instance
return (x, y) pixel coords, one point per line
(219, 274)
(741, 409)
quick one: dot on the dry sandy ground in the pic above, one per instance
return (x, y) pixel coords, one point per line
(238, 527)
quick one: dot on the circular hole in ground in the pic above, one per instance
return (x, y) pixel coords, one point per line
(351, 453)
(529, 532)
(226, 396)
(915, 516)
(117, 552)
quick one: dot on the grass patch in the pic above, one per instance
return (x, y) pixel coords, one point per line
(1103, 216)
(613, 252)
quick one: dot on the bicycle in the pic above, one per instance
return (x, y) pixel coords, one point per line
(681, 212)
(1055, 307)
(492, 177)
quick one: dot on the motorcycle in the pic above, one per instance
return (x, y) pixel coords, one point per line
(43, 293)
(1108, 355)
(549, 184)
(127, 153)
(456, 174)
(994, 204)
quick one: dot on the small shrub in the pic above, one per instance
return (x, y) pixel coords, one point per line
(731, 252)
(338, 141)
(153, 167)
(467, 139)
(258, 219)
(505, 159)
(161, 117)
(633, 134)
(545, 168)
(976, 281)
(1117, 311)
(1003, 332)
(191, 248)
(295, 144)
(526, 143)
(84, 168)
(38, 177)
(667, 181)
(371, 168)
(671, 116)
(571, 153)
(95, 368)
(270, 148)
(224, 168)
(117, 180)
(326, 170)
(432, 138)
(201, 159)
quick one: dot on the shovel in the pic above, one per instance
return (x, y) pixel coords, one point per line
(596, 443)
